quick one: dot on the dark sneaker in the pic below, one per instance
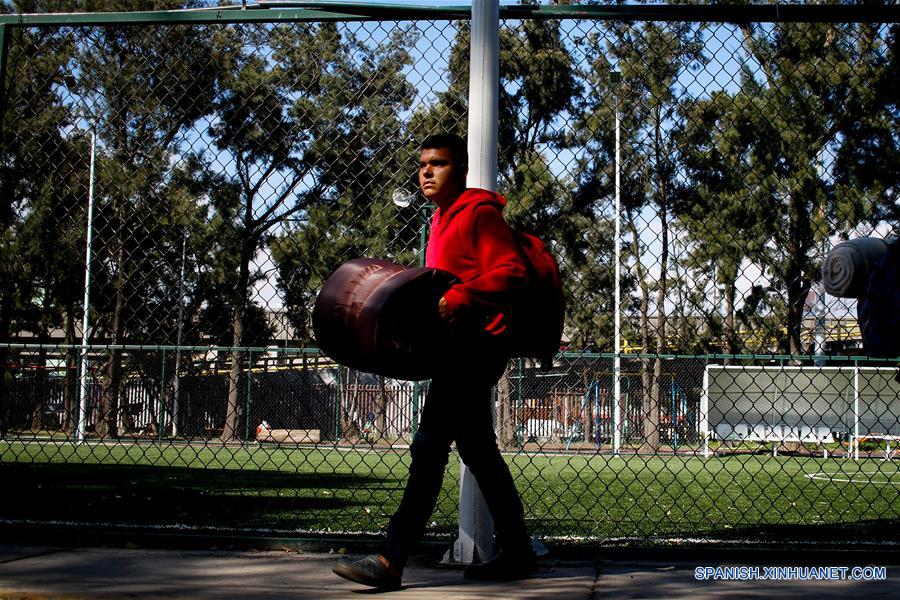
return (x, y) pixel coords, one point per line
(372, 570)
(503, 567)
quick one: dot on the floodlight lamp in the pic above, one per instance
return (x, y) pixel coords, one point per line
(401, 198)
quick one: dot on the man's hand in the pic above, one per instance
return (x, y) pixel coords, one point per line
(444, 310)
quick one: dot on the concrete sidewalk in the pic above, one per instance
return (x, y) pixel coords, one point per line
(138, 573)
(44, 572)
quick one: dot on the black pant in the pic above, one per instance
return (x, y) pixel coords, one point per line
(458, 408)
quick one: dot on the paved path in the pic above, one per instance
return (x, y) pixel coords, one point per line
(44, 572)
(138, 573)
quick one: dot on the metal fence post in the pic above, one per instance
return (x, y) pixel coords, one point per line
(160, 423)
(414, 425)
(423, 233)
(674, 416)
(475, 524)
(248, 400)
(337, 408)
(5, 378)
(520, 442)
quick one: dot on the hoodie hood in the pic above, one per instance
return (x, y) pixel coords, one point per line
(472, 197)
(442, 222)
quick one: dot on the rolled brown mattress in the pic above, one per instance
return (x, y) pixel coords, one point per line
(381, 317)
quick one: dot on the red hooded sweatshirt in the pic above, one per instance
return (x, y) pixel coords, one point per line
(471, 239)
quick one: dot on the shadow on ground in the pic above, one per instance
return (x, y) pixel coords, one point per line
(140, 494)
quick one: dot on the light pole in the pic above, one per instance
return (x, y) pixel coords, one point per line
(615, 78)
(85, 325)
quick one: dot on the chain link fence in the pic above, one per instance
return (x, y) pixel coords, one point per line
(180, 186)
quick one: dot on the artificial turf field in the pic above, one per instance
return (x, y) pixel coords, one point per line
(313, 491)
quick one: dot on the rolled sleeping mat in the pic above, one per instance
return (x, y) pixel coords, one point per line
(382, 318)
(848, 266)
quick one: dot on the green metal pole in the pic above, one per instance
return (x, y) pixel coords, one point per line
(625, 421)
(337, 409)
(267, 11)
(415, 408)
(162, 393)
(520, 368)
(423, 234)
(674, 417)
(247, 402)
(423, 239)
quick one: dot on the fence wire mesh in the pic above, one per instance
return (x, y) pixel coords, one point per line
(223, 171)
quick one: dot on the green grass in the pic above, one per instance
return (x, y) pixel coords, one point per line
(311, 490)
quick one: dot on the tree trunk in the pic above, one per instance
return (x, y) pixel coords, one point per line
(108, 423)
(731, 342)
(797, 286)
(234, 410)
(651, 425)
(798, 289)
(506, 417)
(42, 387)
(680, 320)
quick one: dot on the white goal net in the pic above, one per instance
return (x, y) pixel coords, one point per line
(799, 404)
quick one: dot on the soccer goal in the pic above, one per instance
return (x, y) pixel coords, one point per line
(799, 404)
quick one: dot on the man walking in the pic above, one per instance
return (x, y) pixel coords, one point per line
(470, 239)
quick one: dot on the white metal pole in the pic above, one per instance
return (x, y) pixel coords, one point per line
(85, 324)
(476, 528)
(177, 391)
(704, 412)
(484, 87)
(617, 361)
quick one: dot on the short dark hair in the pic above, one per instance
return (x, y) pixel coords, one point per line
(455, 143)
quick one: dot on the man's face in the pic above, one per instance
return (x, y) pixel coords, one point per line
(440, 178)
